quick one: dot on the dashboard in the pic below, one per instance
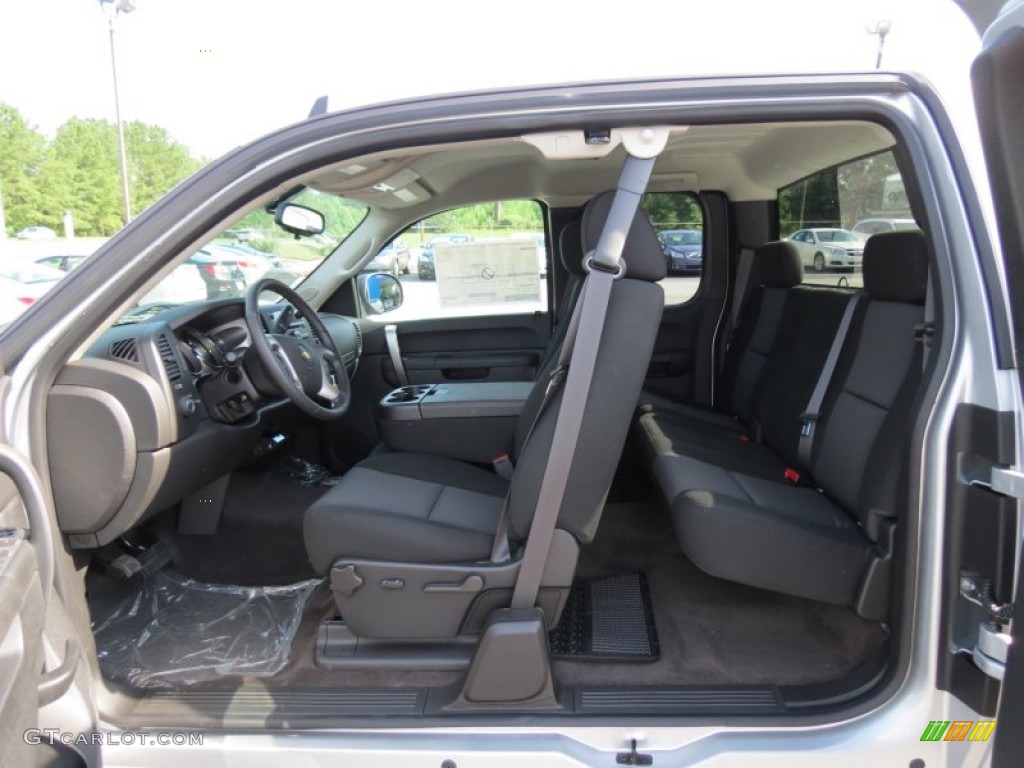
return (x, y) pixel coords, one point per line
(165, 405)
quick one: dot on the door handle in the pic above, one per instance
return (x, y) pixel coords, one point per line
(54, 683)
(391, 336)
(470, 584)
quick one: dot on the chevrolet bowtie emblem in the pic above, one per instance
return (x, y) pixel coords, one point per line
(305, 355)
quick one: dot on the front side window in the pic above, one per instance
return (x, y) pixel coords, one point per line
(483, 259)
(831, 214)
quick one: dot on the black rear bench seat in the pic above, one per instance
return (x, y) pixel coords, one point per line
(754, 511)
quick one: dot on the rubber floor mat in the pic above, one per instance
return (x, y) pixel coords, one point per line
(607, 619)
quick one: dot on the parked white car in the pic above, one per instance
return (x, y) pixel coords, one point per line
(828, 248)
(867, 227)
(36, 233)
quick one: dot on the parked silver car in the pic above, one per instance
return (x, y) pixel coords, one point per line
(828, 248)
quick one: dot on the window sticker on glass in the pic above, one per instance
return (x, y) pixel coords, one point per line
(490, 272)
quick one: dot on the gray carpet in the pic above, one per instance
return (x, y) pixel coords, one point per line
(259, 539)
(714, 632)
(711, 632)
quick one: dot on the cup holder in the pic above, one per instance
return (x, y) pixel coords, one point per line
(408, 394)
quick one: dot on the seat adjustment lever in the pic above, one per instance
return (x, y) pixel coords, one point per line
(471, 583)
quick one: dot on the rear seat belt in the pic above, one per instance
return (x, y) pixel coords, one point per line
(739, 291)
(812, 412)
(604, 267)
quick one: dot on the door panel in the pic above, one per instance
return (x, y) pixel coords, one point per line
(682, 365)
(21, 626)
(671, 371)
(32, 675)
(500, 348)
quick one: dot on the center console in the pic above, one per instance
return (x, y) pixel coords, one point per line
(467, 421)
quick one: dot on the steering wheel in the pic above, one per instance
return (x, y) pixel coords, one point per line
(310, 372)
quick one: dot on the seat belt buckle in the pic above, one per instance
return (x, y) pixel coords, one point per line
(555, 379)
(503, 466)
(807, 422)
(791, 475)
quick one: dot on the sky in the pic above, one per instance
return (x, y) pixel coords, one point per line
(217, 73)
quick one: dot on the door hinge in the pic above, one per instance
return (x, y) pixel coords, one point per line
(993, 644)
(992, 650)
(633, 757)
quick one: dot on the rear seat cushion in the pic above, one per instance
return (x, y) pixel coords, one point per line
(667, 427)
(764, 533)
(799, 540)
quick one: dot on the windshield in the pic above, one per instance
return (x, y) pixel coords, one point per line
(253, 248)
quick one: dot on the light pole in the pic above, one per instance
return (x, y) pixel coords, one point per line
(882, 28)
(112, 8)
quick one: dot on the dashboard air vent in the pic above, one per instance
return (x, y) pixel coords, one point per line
(124, 349)
(314, 335)
(169, 359)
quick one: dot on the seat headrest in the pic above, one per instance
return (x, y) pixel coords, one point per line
(779, 264)
(570, 247)
(642, 252)
(896, 267)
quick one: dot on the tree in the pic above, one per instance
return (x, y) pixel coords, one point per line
(673, 210)
(81, 173)
(21, 152)
(862, 188)
(813, 202)
(156, 163)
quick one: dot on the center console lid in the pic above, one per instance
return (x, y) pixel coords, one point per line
(455, 401)
(468, 421)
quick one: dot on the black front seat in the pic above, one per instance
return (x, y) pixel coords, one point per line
(407, 538)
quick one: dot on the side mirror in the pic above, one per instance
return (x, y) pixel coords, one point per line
(299, 220)
(381, 292)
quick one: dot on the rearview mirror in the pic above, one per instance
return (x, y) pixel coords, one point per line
(299, 220)
(381, 292)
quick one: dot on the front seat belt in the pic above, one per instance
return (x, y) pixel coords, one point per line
(391, 337)
(604, 267)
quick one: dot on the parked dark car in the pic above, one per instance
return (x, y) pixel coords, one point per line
(220, 270)
(683, 249)
(253, 263)
(425, 266)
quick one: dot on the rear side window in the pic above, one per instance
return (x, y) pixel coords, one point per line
(831, 214)
(679, 221)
